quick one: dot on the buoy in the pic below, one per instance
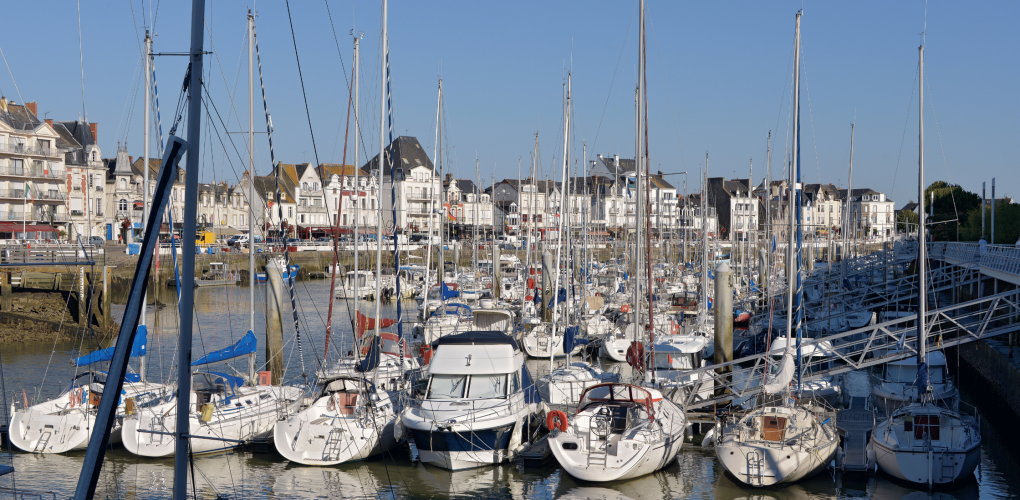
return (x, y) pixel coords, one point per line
(625, 308)
(556, 420)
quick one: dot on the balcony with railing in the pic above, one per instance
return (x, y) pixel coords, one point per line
(24, 149)
(31, 215)
(31, 171)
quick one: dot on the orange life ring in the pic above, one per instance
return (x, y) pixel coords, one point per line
(598, 294)
(556, 420)
(72, 399)
(675, 329)
(625, 308)
(636, 356)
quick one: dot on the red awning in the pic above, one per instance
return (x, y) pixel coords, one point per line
(138, 204)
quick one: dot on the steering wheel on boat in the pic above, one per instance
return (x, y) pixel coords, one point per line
(602, 422)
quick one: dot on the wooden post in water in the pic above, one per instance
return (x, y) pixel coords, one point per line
(105, 298)
(274, 320)
(6, 301)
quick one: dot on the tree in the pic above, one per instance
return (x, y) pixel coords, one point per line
(1007, 224)
(952, 206)
(906, 221)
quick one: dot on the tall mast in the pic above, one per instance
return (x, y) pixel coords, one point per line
(251, 176)
(643, 149)
(187, 300)
(922, 291)
(560, 240)
(357, 187)
(441, 269)
(145, 176)
(794, 284)
(849, 192)
(381, 165)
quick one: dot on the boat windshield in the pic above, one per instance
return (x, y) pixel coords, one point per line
(675, 361)
(904, 374)
(447, 386)
(488, 386)
(616, 394)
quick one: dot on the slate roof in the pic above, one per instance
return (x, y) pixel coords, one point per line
(659, 181)
(541, 186)
(19, 117)
(407, 153)
(857, 193)
(267, 184)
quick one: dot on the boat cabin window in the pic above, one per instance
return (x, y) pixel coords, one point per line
(937, 375)
(487, 386)
(926, 424)
(447, 386)
(675, 361)
(515, 382)
(477, 386)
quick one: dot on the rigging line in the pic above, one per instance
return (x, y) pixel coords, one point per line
(670, 99)
(811, 117)
(952, 195)
(350, 84)
(301, 77)
(223, 75)
(135, 22)
(12, 76)
(626, 42)
(276, 173)
(129, 105)
(906, 121)
(81, 61)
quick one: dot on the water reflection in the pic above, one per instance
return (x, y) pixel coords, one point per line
(256, 474)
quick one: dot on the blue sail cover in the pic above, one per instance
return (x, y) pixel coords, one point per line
(531, 394)
(922, 378)
(561, 297)
(246, 345)
(372, 358)
(137, 349)
(447, 293)
(570, 340)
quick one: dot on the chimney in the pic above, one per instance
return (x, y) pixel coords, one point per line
(95, 135)
(49, 121)
(131, 159)
(449, 177)
(33, 107)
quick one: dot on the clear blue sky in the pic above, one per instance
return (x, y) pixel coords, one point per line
(716, 78)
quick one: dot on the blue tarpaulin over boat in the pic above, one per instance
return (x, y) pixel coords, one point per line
(137, 349)
(570, 340)
(246, 345)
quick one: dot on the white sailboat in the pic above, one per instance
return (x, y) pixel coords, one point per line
(786, 442)
(65, 423)
(224, 410)
(620, 431)
(923, 442)
(356, 409)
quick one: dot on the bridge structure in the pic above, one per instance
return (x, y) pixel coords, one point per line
(962, 311)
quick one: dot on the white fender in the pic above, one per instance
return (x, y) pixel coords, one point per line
(398, 429)
(515, 437)
(709, 437)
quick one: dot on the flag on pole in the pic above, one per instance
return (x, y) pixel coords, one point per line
(28, 191)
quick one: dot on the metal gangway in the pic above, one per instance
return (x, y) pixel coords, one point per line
(893, 340)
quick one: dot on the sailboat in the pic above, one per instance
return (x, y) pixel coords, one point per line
(924, 442)
(65, 423)
(224, 409)
(783, 442)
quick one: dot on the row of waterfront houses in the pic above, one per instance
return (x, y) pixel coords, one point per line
(55, 183)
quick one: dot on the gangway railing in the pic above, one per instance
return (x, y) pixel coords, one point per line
(997, 261)
(894, 340)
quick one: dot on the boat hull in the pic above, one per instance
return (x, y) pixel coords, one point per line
(926, 467)
(457, 450)
(779, 465)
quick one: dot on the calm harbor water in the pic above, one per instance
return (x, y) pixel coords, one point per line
(223, 317)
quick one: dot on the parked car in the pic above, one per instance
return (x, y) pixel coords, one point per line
(97, 241)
